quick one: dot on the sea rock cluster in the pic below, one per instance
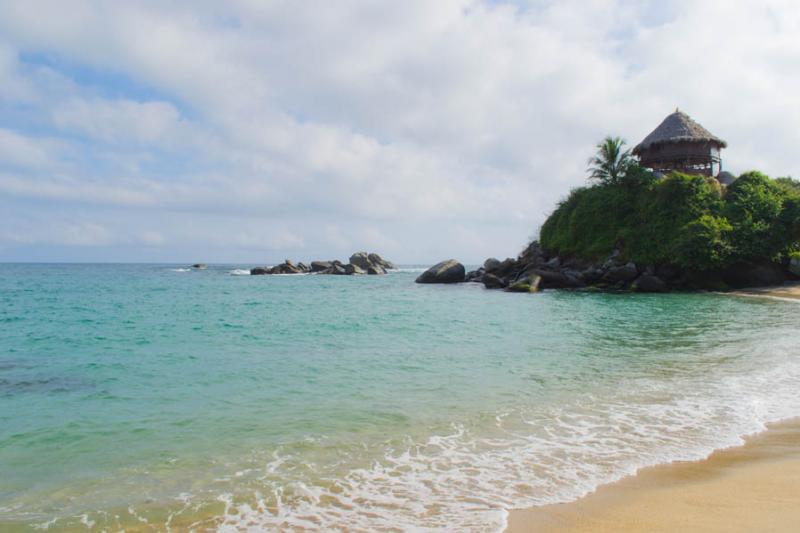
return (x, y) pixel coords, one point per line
(536, 269)
(360, 263)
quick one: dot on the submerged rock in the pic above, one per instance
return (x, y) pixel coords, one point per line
(450, 271)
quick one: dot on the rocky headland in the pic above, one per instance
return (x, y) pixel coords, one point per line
(536, 269)
(359, 263)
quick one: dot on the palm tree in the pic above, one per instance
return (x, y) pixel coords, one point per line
(611, 162)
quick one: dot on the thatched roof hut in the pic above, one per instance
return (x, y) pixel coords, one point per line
(680, 143)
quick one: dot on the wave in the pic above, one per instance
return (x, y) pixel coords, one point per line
(465, 480)
(239, 272)
(180, 269)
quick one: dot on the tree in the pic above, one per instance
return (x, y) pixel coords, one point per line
(611, 162)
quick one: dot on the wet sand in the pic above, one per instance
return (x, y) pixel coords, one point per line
(754, 487)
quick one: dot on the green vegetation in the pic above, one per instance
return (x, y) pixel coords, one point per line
(683, 220)
(611, 162)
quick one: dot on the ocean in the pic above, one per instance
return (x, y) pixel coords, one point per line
(156, 397)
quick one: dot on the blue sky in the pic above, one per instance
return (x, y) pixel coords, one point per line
(250, 132)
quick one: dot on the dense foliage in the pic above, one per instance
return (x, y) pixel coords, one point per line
(683, 220)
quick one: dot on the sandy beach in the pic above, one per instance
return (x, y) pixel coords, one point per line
(754, 487)
(788, 290)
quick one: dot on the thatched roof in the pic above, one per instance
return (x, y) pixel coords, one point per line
(678, 127)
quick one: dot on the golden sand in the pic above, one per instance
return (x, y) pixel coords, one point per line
(752, 488)
(789, 290)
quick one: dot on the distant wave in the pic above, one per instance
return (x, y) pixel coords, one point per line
(180, 269)
(239, 272)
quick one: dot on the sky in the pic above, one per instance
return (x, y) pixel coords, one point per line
(254, 131)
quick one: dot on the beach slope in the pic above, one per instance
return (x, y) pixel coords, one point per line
(754, 487)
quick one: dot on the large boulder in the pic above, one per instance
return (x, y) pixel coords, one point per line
(450, 271)
(649, 283)
(260, 271)
(376, 270)
(754, 275)
(336, 269)
(490, 265)
(352, 269)
(377, 260)
(490, 281)
(370, 263)
(626, 272)
(319, 266)
(361, 260)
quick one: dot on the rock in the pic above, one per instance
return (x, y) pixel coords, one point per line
(754, 275)
(649, 283)
(450, 271)
(334, 270)
(490, 281)
(532, 255)
(361, 260)
(352, 269)
(491, 264)
(554, 263)
(551, 280)
(794, 266)
(200, 266)
(377, 260)
(592, 275)
(370, 263)
(319, 266)
(476, 275)
(259, 271)
(303, 267)
(505, 268)
(287, 267)
(529, 284)
(626, 272)
(376, 270)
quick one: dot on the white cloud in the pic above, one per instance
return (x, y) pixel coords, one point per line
(428, 128)
(120, 120)
(20, 151)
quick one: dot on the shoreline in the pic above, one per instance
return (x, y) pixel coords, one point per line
(752, 487)
(787, 291)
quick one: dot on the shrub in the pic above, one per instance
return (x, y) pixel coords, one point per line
(680, 219)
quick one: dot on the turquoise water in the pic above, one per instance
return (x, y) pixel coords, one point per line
(150, 395)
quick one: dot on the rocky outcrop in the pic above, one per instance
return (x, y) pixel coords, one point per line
(200, 266)
(287, 267)
(449, 271)
(490, 281)
(360, 263)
